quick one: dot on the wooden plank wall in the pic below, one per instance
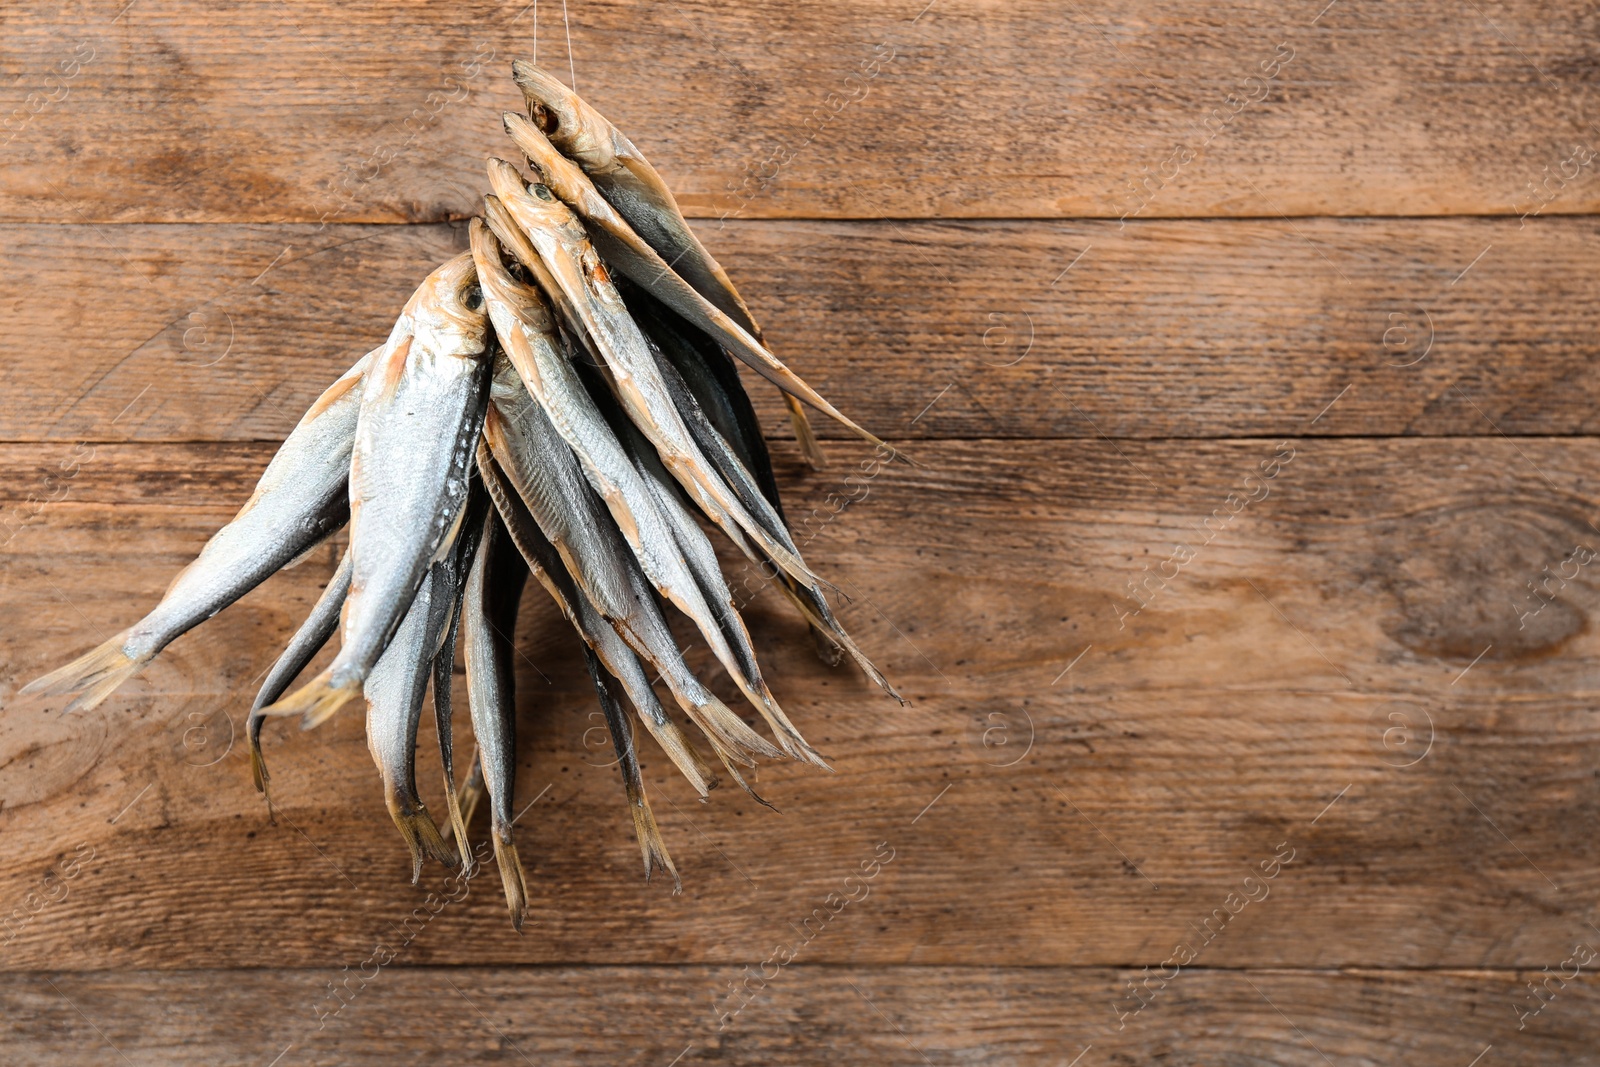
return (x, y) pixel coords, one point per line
(1242, 589)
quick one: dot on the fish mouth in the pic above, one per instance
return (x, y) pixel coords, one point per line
(505, 178)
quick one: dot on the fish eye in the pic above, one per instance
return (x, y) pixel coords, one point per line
(543, 192)
(473, 298)
(544, 118)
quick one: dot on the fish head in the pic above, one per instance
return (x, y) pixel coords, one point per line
(511, 300)
(574, 127)
(554, 169)
(506, 231)
(534, 207)
(447, 313)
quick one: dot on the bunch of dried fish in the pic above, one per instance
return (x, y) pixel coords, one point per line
(558, 401)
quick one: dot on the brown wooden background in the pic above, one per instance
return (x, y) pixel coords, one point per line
(207, 210)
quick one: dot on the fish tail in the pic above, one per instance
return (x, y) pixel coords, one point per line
(825, 628)
(97, 674)
(707, 773)
(793, 386)
(830, 649)
(836, 633)
(787, 735)
(729, 733)
(805, 435)
(650, 841)
(258, 771)
(793, 743)
(258, 765)
(868, 668)
(420, 831)
(315, 702)
(739, 780)
(512, 876)
(456, 829)
(746, 674)
(717, 497)
(682, 754)
(797, 747)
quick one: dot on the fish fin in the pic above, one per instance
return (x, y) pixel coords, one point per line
(784, 732)
(804, 434)
(443, 668)
(101, 689)
(701, 764)
(512, 876)
(308, 640)
(789, 737)
(799, 749)
(326, 708)
(420, 831)
(96, 673)
(830, 630)
(775, 371)
(869, 668)
(315, 702)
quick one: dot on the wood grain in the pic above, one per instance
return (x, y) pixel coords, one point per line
(1349, 669)
(915, 1016)
(1253, 532)
(176, 110)
(918, 330)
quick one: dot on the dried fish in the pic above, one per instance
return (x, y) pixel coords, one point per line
(530, 414)
(395, 689)
(299, 501)
(564, 246)
(422, 404)
(488, 621)
(641, 196)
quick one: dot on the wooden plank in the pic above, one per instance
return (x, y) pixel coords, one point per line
(1341, 660)
(806, 1015)
(383, 111)
(1161, 329)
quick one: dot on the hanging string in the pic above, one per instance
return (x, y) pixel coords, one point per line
(571, 66)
